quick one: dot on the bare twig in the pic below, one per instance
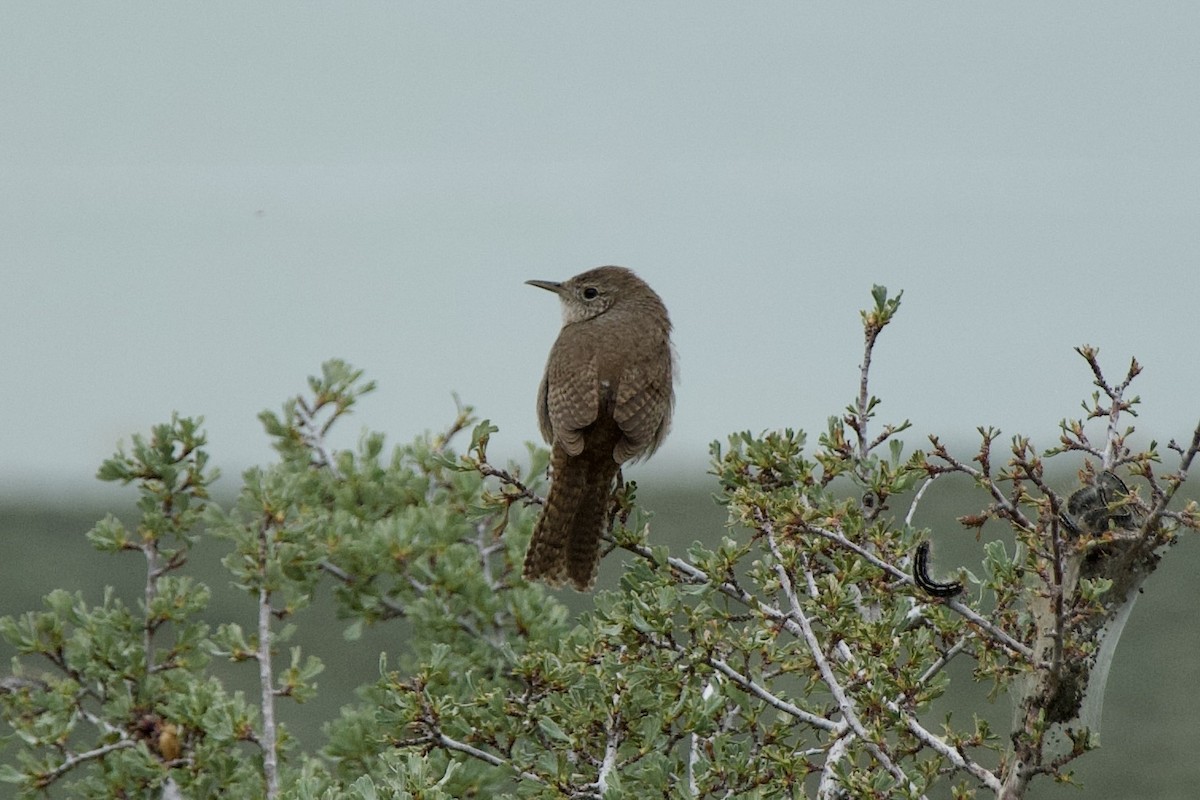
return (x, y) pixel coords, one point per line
(507, 478)
(1002, 502)
(912, 508)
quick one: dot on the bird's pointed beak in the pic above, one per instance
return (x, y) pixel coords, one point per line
(550, 286)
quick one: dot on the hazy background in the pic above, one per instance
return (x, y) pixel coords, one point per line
(201, 203)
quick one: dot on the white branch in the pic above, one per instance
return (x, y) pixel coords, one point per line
(828, 788)
(76, 759)
(265, 676)
(945, 659)
(150, 550)
(750, 687)
(947, 752)
(912, 508)
(612, 732)
(694, 751)
(442, 740)
(965, 611)
(845, 705)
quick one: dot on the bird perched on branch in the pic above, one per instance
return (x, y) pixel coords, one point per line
(605, 399)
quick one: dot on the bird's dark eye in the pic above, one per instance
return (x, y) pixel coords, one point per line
(591, 293)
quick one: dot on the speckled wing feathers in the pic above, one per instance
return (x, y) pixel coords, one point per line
(642, 410)
(572, 399)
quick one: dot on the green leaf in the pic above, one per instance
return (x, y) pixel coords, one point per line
(552, 729)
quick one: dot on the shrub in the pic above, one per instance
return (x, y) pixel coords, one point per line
(794, 654)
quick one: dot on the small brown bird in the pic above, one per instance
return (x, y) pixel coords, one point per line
(606, 398)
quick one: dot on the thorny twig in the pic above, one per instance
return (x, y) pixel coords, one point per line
(1114, 442)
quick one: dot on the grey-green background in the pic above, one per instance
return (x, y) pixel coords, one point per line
(200, 203)
(1151, 708)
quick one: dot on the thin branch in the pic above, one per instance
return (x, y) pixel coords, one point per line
(692, 574)
(442, 740)
(101, 723)
(845, 706)
(395, 608)
(749, 686)
(265, 676)
(951, 754)
(612, 731)
(864, 397)
(944, 659)
(1114, 441)
(912, 508)
(314, 434)
(955, 605)
(435, 736)
(72, 761)
(1003, 503)
(507, 478)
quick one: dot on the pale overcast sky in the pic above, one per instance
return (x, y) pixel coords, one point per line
(200, 203)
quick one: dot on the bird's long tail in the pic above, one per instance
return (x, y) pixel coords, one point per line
(566, 539)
